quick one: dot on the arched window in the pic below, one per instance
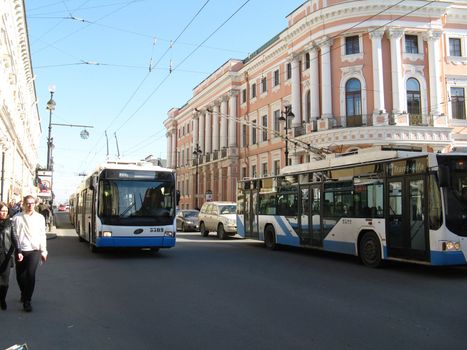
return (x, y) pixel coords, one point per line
(414, 101)
(353, 102)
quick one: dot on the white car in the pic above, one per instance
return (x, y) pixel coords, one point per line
(219, 217)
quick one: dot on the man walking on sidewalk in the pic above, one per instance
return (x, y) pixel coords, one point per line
(30, 228)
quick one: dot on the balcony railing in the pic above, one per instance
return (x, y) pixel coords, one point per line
(354, 120)
(415, 119)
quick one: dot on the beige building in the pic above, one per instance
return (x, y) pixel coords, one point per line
(20, 128)
(353, 73)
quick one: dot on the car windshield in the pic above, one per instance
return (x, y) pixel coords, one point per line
(227, 209)
(455, 195)
(191, 214)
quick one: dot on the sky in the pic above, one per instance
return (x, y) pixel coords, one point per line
(119, 66)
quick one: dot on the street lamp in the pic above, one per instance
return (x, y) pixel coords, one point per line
(288, 114)
(197, 152)
(50, 145)
(51, 107)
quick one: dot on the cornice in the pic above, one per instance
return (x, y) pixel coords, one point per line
(321, 22)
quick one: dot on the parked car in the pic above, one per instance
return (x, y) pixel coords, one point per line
(62, 207)
(187, 220)
(219, 217)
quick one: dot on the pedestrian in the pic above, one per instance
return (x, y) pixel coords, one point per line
(8, 249)
(30, 227)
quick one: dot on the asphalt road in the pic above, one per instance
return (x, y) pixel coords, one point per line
(234, 294)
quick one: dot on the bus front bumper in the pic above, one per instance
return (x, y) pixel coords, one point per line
(132, 242)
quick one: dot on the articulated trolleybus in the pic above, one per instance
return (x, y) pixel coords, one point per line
(376, 204)
(124, 204)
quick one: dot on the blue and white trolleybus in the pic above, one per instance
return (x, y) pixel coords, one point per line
(376, 204)
(126, 204)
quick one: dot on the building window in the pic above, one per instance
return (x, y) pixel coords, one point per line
(352, 45)
(458, 103)
(264, 85)
(411, 43)
(253, 90)
(264, 169)
(353, 102)
(307, 60)
(277, 167)
(253, 171)
(243, 173)
(308, 106)
(455, 47)
(243, 95)
(289, 71)
(265, 127)
(414, 101)
(277, 114)
(253, 132)
(276, 77)
(244, 138)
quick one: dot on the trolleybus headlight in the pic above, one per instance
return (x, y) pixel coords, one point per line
(106, 233)
(449, 245)
(169, 233)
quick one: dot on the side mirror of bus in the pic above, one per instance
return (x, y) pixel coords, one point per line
(443, 175)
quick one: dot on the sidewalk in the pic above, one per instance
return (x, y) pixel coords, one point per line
(62, 232)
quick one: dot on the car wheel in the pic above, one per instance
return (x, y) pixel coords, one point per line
(221, 232)
(203, 230)
(369, 250)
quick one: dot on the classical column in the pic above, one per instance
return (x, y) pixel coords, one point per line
(208, 131)
(233, 118)
(195, 129)
(377, 71)
(326, 91)
(434, 59)
(224, 119)
(215, 127)
(296, 110)
(201, 118)
(395, 35)
(314, 82)
(168, 135)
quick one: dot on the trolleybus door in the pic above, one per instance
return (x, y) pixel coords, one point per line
(251, 203)
(310, 215)
(407, 225)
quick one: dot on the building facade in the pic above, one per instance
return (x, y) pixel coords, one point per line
(354, 74)
(20, 128)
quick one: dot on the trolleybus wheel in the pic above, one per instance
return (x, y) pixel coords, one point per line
(270, 238)
(94, 249)
(369, 250)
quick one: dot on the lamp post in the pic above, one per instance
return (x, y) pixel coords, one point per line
(288, 114)
(197, 152)
(51, 107)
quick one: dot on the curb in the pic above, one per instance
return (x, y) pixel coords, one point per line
(51, 235)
